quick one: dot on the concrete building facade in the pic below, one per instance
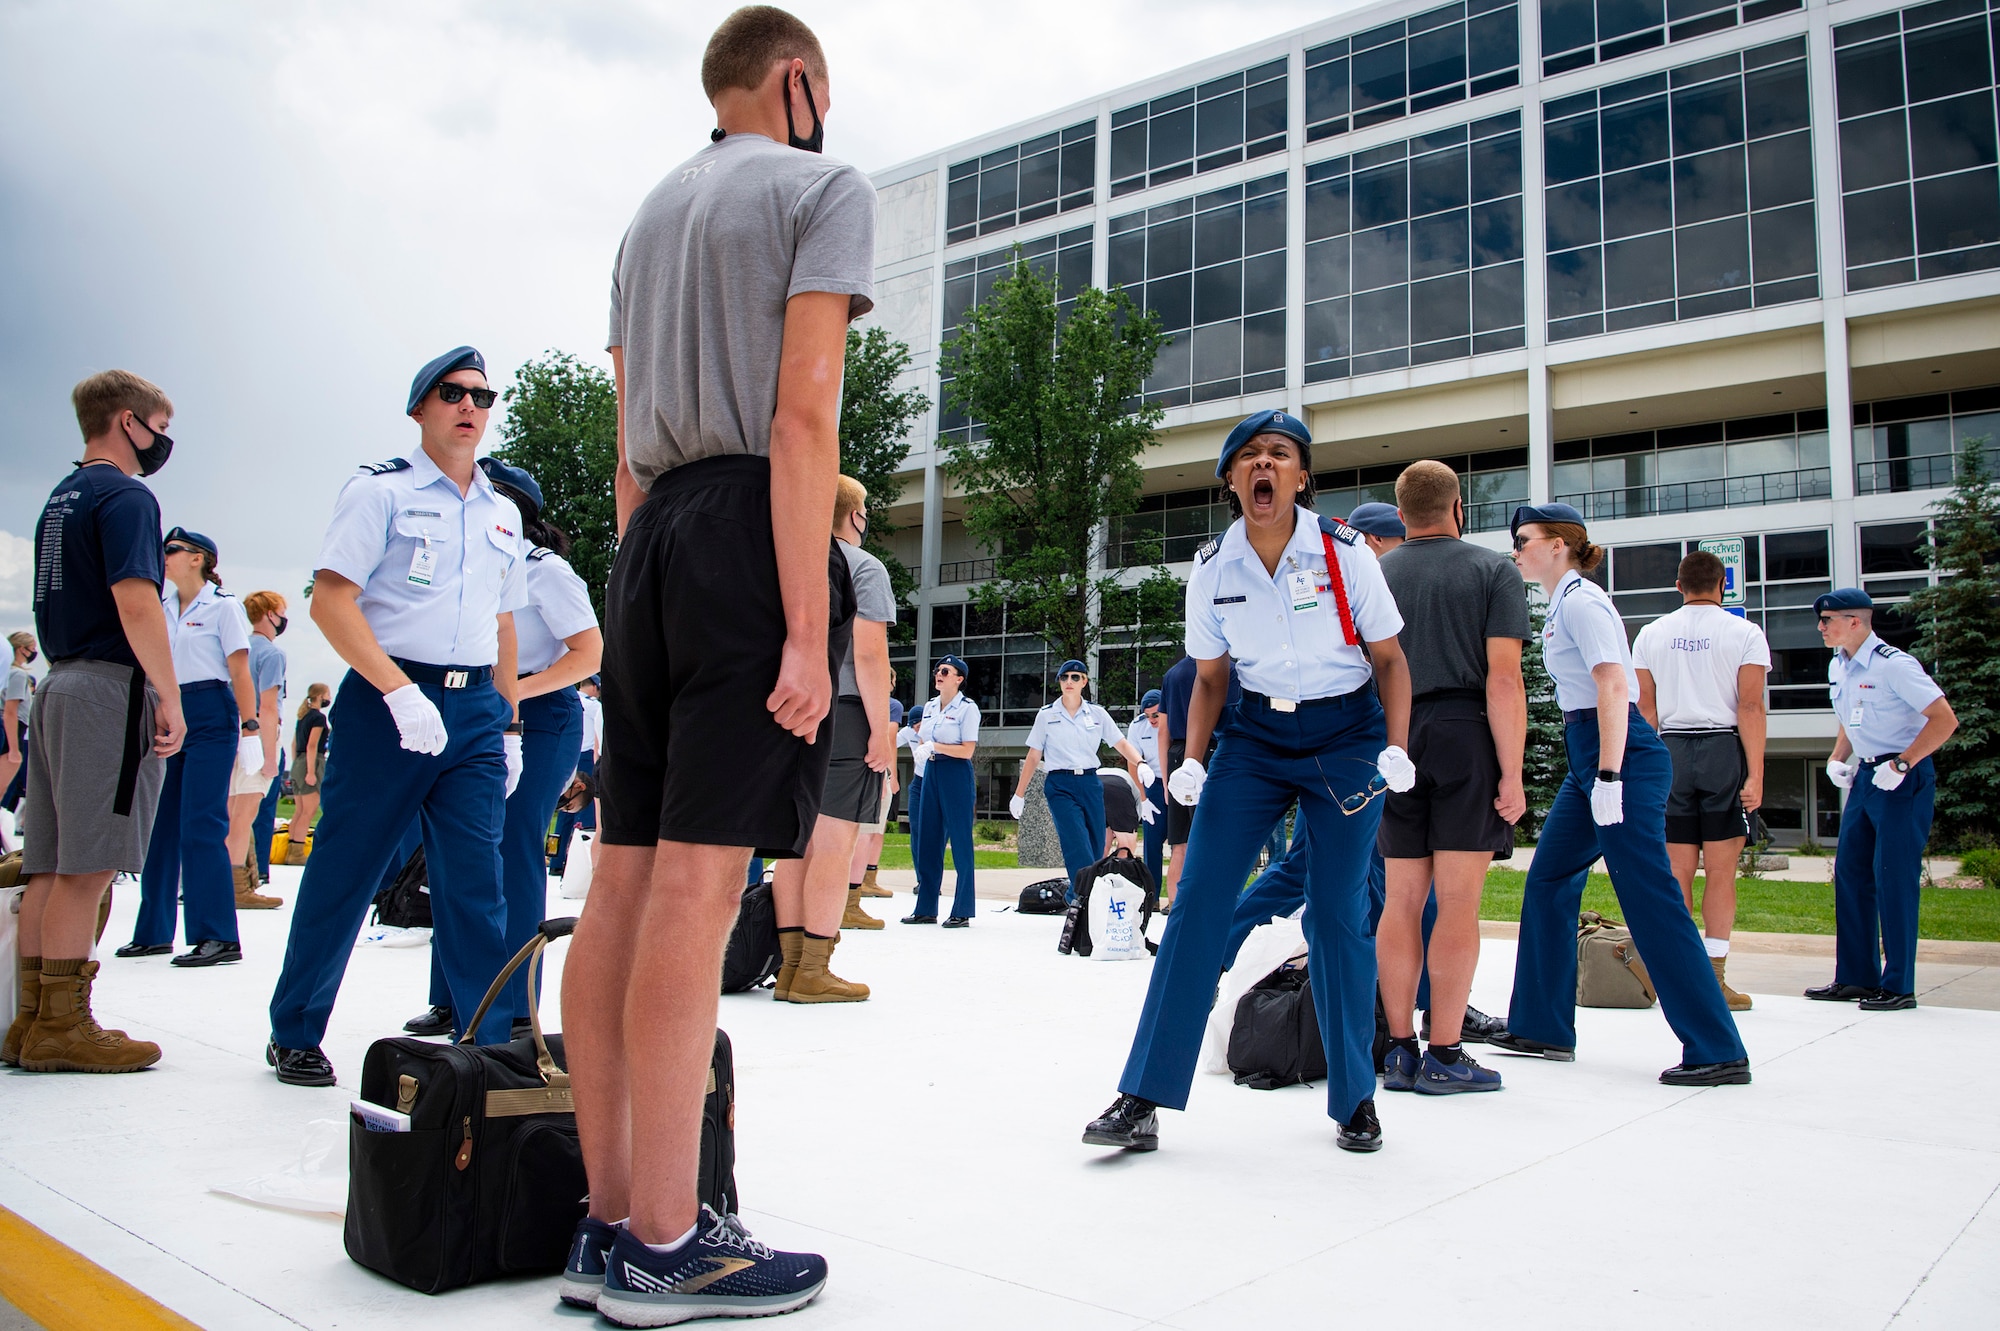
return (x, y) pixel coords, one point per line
(1707, 269)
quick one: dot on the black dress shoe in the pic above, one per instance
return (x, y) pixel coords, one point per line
(1130, 1123)
(1521, 1044)
(437, 1021)
(144, 950)
(958, 922)
(920, 919)
(1363, 1132)
(1884, 1001)
(1736, 1072)
(1477, 1028)
(210, 952)
(299, 1067)
(1840, 993)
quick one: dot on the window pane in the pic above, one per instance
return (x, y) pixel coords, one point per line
(1679, 465)
(1570, 149)
(1172, 298)
(1326, 208)
(1713, 257)
(1572, 215)
(1381, 320)
(1264, 111)
(1126, 265)
(1639, 272)
(1635, 134)
(1493, 41)
(1218, 293)
(1496, 231)
(1326, 330)
(1379, 76)
(962, 204)
(1326, 269)
(1781, 171)
(996, 191)
(1170, 247)
(1789, 556)
(1172, 138)
(1869, 78)
(1496, 298)
(1264, 224)
(1440, 309)
(1381, 256)
(1438, 181)
(1708, 116)
(1218, 352)
(1440, 244)
(1873, 151)
(1878, 226)
(1496, 167)
(1575, 284)
(1947, 59)
(1173, 367)
(1567, 24)
(1763, 456)
(1219, 123)
(1638, 201)
(1079, 165)
(1437, 58)
(1264, 342)
(1955, 211)
(1381, 195)
(1952, 135)
(1263, 283)
(1615, 18)
(1218, 236)
(1895, 547)
(1775, 99)
(1326, 91)
(1783, 243)
(1128, 151)
(1709, 186)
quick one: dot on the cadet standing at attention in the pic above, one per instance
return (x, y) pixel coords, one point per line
(421, 571)
(1070, 731)
(945, 736)
(1892, 718)
(1292, 598)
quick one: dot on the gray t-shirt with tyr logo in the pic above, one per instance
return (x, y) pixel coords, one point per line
(699, 289)
(1454, 595)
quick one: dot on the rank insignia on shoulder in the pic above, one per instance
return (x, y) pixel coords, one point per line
(384, 468)
(1884, 649)
(1207, 551)
(1339, 530)
(540, 552)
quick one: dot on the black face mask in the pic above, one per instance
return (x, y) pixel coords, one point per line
(30, 658)
(817, 139)
(278, 625)
(154, 455)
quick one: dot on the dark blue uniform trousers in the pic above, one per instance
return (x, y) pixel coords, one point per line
(913, 805)
(1635, 851)
(1877, 871)
(586, 817)
(552, 727)
(947, 817)
(266, 823)
(1153, 835)
(372, 786)
(1321, 754)
(187, 857)
(1076, 804)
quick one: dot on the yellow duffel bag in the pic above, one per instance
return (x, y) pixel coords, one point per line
(283, 852)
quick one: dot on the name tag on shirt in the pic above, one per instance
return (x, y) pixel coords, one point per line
(1305, 590)
(1854, 715)
(423, 565)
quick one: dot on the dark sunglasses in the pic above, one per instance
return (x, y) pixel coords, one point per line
(1357, 802)
(481, 397)
(1521, 542)
(176, 548)
(1067, 676)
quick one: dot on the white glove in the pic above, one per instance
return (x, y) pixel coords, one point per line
(418, 720)
(250, 755)
(1148, 811)
(1885, 777)
(1017, 806)
(512, 745)
(1397, 769)
(1842, 773)
(1186, 782)
(1607, 803)
(1147, 776)
(921, 751)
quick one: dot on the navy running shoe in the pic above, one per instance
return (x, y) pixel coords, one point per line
(1399, 1069)
(1438, 1077)
(583, 1274)
(720, 1272)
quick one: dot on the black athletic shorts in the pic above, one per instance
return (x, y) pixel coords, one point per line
(853, 789)
(1458, 778)
(693, 634)
(1121, 805)
(1706, 802)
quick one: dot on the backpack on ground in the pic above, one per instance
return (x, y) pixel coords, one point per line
(1609, 972)
(753, 956)
(1120, 863)
(406, 903)
(1047, 897)
(1276, 1040)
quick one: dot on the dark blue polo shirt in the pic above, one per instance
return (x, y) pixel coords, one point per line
(99, 527)
(1177, 690)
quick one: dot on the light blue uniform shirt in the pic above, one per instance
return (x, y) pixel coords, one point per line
(558, 607)
(957, 723)
(1070, 743)
(267, 666)
(1141, 733)
(1583, 632)
(1879, 696)
(206, 633)
(1284, 629)
(434, 567)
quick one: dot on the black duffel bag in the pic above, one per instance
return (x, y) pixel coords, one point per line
(1048, 897)
(489, 1179)
(1275, 1040)
(406, 902)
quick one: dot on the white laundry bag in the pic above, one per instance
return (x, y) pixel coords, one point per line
(1268, 947)
(576, 870)
(1115, 905)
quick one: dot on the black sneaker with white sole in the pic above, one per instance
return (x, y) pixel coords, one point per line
(719, 1272)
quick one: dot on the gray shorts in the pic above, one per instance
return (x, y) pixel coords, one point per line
(76, 752)
(853, 789)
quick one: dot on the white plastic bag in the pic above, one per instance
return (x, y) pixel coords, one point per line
(1115, 903)
(308, 1183)
(576, 871)
(1268, 947)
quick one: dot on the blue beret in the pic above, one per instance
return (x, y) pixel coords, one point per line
(458, 358)
(956, 663)
(1264, 422)
(1543, 513)
(1377, 519)
(895, 712)
(1068, 666)
(1844, 598)
(195, 538)
(500, 473)
(1152, 699)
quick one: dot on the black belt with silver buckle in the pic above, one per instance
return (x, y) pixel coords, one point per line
(1072, 771)
(1289, 705)
(445, 676)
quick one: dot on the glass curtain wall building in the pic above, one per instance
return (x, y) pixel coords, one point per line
(1703, 268)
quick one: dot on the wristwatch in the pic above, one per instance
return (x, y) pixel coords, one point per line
(1606, 774)
(1900, 764)
(250, 726)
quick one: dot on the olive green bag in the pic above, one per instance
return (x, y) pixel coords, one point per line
(1609, 972)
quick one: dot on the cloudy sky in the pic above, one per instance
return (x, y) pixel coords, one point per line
(278, 213)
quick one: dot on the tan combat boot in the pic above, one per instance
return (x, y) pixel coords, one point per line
(855, 917)
(789, 941)
(1737, 1002)
(247, 895)
(66, 1038)
(871, 888)
(24, 1016)
(815, 983)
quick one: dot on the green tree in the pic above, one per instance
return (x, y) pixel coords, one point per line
(1057, 393)
(1544, 761)
(874, 420)
(1959, 625)
(562, 429)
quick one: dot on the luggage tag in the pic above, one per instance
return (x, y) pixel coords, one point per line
(1305, 590)
(423, 564)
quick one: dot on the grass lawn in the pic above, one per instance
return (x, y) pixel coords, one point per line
(1765, 905)
(896, 855)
